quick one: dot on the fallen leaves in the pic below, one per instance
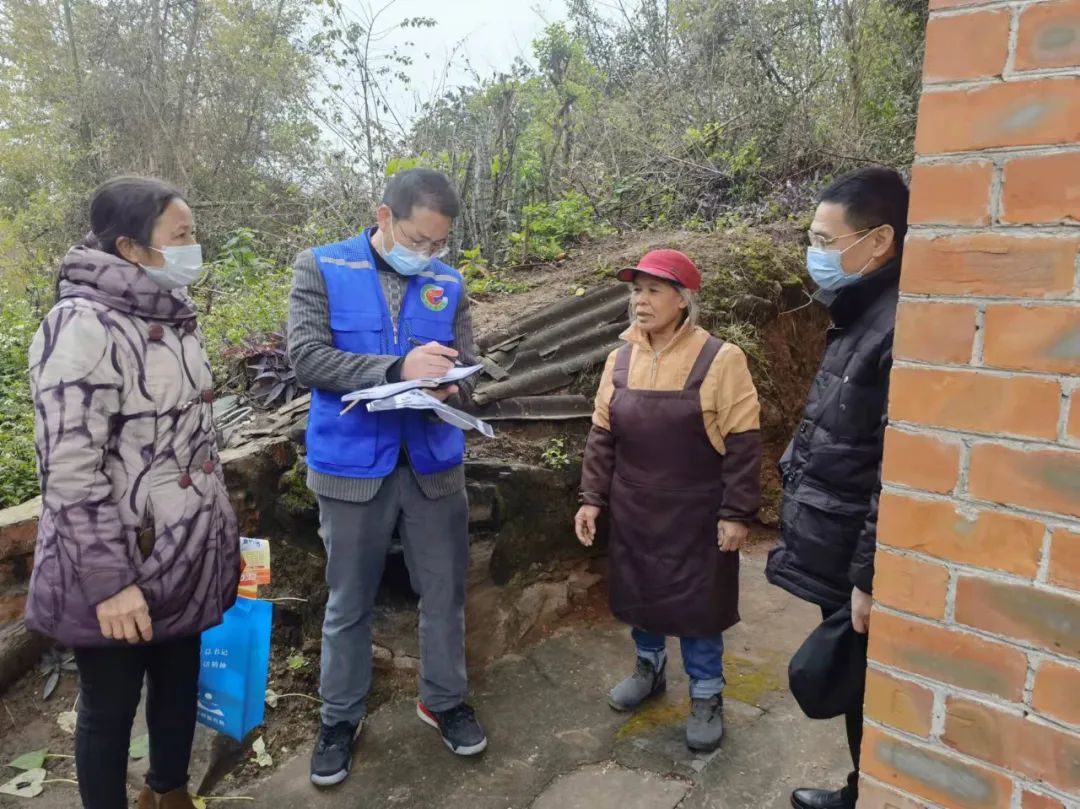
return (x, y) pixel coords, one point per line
(296, 662)
(140, 747)
(67, 721)
(262, 757)
(34, 760)
(27, 784)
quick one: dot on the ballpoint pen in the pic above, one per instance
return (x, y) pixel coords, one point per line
(415, 342)
(457, 360)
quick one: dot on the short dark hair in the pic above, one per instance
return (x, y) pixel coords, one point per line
(128, 206)
(421, 188)
(871, 197)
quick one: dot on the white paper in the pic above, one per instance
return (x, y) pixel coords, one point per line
(418, 400)
(394, 388)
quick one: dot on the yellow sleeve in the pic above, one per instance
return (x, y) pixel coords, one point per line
(737, 406)
(601, 418)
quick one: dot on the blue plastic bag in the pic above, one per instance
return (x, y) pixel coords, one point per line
(234, 667)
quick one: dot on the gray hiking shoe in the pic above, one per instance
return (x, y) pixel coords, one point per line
(645, 682)
(705, 728)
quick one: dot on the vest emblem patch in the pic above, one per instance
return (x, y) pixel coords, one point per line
(434, 297)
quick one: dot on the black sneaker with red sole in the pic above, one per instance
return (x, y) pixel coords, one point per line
(458, 726)
(331, 759)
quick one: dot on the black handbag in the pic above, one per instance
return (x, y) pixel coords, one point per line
(827, 676)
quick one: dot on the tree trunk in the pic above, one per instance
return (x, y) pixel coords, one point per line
(255, 104)
(86, 135)
(19, 650)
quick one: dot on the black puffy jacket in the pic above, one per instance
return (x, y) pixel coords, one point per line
(832, 468)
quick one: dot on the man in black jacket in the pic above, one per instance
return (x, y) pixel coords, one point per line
(832, 469)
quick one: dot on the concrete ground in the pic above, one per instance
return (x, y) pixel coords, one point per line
(555, 744)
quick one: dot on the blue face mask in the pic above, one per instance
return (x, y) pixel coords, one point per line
(827, 269)
(405, 261)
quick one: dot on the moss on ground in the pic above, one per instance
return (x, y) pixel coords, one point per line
(295, 496)
(748, 681)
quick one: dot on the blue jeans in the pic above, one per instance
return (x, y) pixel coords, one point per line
(703, 659)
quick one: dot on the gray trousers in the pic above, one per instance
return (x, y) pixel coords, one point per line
(435, 537)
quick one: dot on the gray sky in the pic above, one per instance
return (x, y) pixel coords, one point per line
(492, 33)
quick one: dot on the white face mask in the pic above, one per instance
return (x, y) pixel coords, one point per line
(183, 266)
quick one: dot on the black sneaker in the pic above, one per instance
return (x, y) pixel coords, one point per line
(332, 758)
(458, 726)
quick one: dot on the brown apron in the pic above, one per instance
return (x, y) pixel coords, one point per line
(667, 574)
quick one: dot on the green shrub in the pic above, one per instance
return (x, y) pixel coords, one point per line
(482, 279)
(555, 455)
(243, 294)
(18, 461)
(548, 228)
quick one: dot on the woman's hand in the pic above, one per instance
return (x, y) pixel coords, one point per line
(125, 616)
(585, 524)
(731, 536)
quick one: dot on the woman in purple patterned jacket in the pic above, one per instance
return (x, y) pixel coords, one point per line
(137, 548)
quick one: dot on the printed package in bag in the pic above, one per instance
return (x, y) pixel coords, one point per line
(234, 667)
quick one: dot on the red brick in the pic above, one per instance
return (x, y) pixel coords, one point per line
(936, 775)
(1073, 426)
(990, 264)
(921, 461)
(991, 540)
(976, 402)
(1049, 36)
(1046, 480)
(1013, 742)
(1041, 190)
(911, 585)
(1020, 113)
(1056, 690)
(939, 333)
(873, 795)
(948, 656)
(1065, 560)
(1032, 800)
(1038, 338)
(1042, 618)
(900, 704)
(966, 46)
(951, 193)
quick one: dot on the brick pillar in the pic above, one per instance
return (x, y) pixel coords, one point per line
(973, 695)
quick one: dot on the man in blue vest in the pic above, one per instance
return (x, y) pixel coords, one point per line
(380, 308)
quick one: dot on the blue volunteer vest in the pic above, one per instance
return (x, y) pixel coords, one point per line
(360, 444)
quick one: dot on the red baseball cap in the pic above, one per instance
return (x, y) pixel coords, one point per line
(671, 265)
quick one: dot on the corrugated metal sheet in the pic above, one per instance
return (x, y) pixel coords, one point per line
(541, 353)
(563, 311)
(544, 352)
(538, 408)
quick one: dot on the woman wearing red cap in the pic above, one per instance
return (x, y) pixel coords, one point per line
(675, 456)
